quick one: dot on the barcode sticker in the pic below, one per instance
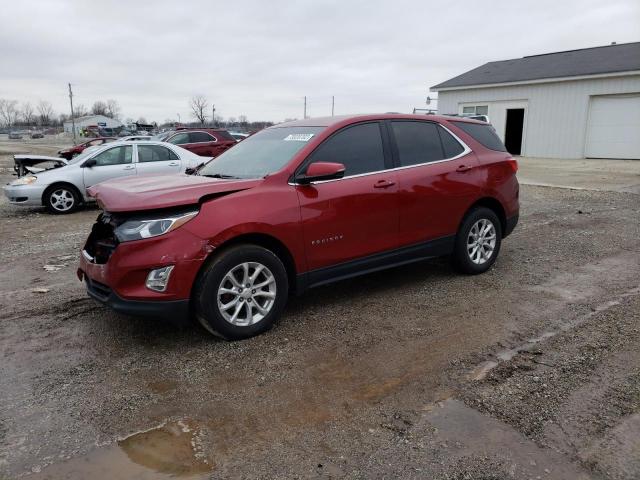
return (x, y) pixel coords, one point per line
(298, 137)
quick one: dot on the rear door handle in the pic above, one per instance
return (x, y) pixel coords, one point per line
(463, 168)
(173, 164)
(383, 184)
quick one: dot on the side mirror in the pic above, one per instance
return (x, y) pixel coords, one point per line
(319, 171)
(90, 163)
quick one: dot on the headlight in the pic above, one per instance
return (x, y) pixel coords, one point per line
(26, 180)
(151, 227)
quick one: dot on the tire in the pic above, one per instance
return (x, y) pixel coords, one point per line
(61, 199)
(474, 251)
(218, 286)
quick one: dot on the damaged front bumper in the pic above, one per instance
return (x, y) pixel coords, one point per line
(115, 273)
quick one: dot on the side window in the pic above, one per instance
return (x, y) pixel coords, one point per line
(198, 137)
(179, 138)
(451, 146)
(418, 142)
(155, 153)
(482, 133)
(114, 156)
(358, 148)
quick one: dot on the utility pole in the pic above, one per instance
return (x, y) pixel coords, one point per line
(333, 103)
(73, 120)
(213, 115)
(305, 106)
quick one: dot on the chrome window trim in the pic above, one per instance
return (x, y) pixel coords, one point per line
(466, 151)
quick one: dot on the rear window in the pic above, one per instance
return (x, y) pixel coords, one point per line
(484, 134)
(224, 135)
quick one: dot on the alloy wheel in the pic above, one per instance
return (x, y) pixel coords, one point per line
(481, 241)
(62, 200)
(246, 294)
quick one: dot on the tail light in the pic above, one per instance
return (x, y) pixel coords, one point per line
(513, 164)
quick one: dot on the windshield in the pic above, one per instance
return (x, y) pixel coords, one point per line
(81, 157)
(261, 154)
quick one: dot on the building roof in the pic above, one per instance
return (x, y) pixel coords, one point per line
(88, 118)
(571, 63)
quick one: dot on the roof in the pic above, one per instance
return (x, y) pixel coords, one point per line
(571, 63)
(86, 118)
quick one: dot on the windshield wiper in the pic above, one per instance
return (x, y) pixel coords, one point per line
(219, 175)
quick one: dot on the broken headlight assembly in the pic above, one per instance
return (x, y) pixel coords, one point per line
(152, 226)
(26, 180)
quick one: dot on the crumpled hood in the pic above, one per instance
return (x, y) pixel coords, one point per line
(24, 164)
(152, 192)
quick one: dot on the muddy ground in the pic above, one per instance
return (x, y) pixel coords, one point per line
(529, 371)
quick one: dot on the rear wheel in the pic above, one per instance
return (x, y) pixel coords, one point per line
(61, 199)
(241, 293)
(477, 242)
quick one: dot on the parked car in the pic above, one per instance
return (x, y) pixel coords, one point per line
(15, 135)
(62, 187)
(208, 142)
(238, 136)
(296, 206)
(71, 152)
(37, 135)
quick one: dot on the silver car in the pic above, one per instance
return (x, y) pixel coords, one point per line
(61, 185)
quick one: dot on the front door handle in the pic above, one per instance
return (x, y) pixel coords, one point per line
(129, 167)
(383, 184)
(463, 168)
(173, 164)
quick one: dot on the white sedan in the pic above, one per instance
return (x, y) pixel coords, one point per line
(62, 185)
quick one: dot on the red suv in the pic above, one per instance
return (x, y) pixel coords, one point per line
(299, 205)
(206, 142)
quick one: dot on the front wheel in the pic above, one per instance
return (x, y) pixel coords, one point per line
(61, 199)
(241, 293)
(477, 242)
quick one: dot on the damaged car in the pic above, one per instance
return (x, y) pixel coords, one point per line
(296, 206)
(61, 185)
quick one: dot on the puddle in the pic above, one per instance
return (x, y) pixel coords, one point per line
(483, 369)
(172, 450)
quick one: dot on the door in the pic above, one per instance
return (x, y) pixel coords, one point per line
(111, 163)
(513, 130)
(356, 215)
(438, 179)
(613, 128)
(157, 159)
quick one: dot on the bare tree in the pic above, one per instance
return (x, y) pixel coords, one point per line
(79, 110)
(8, 112)
(99, 108)
(45, 112)
(199, 106)
(27, 113)
(113, 109)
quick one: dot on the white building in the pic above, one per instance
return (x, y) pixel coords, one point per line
(91, 120)
(574, 104)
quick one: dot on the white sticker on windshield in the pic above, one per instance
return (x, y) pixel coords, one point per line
(298, 137)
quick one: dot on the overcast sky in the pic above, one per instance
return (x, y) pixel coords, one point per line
(260, 58)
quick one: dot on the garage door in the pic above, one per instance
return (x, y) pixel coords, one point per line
(613, 130)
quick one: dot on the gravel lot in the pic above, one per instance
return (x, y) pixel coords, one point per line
(529, 371)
